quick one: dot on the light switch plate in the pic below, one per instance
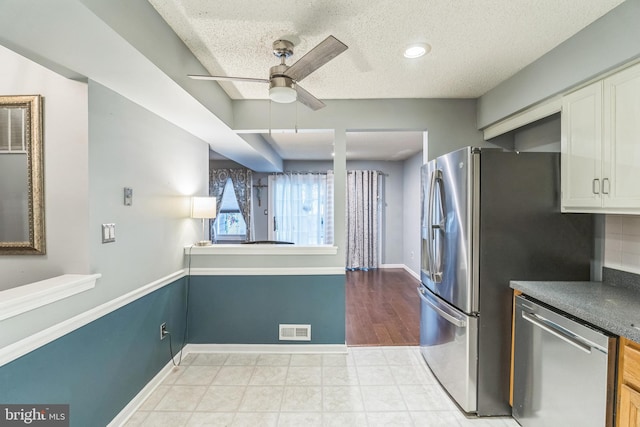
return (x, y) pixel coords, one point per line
(128, 196)
(108, 233)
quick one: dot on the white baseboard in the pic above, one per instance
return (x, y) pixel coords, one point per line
(266, 348)
(143, 394)
(392, 266)
(411, 272)
(404, 267)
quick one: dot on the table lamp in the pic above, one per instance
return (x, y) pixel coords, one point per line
(204, 208)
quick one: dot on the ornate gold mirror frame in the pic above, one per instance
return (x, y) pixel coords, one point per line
(21, 176)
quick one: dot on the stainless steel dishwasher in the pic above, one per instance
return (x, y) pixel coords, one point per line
(564, 370)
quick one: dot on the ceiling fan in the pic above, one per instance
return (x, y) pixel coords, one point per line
(283, 79)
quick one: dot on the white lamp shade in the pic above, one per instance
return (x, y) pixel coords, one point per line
(283, 95)
(203, 207)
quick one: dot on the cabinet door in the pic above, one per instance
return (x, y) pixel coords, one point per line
(621, 154)
(629, 415)
(582, 148)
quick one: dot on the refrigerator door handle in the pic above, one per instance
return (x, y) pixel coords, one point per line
(447, 316)
(429, 246)
(440, 227)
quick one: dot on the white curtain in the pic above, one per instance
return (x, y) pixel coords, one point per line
(300, 209)
(362, 219)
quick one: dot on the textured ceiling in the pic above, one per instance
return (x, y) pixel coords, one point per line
(476, 44)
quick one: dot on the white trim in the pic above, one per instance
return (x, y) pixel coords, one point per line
(392, 266)
(266, 348)
(32, 342)
(544, 109)
(261, 250)
(412, 273)
(267, 271)
(404, 267)
(25, 298)
(135, 403)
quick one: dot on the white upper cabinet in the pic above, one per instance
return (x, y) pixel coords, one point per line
(621, 157)
(582, 148)
(601, 146)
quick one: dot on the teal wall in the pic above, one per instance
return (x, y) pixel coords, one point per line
(100, 367)
(248, 309)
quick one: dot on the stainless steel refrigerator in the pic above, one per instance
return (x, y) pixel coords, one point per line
(488, 217)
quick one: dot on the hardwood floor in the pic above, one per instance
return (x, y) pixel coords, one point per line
(383, 308)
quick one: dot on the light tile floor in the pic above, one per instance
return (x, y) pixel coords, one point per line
(368, 386)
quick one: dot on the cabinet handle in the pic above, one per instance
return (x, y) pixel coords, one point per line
(596, 186)
(605, 186)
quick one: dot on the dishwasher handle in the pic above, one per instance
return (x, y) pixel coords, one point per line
(558, 331)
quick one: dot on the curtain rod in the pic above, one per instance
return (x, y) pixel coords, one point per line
(369, 170)
(322, 173)
(307, 172)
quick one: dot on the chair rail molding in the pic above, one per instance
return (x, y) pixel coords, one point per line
(37, 340)
(25, 298)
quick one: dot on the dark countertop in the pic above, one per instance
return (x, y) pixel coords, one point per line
(610, 305)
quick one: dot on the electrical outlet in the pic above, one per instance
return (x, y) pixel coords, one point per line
(163, 331)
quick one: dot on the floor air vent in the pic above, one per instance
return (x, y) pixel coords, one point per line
(295, 333)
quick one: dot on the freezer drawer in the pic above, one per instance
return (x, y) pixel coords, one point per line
(449, 344)
(563, 372)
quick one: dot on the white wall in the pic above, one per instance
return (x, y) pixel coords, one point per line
(622, 243)
(127, 146)
(260, 219)
(65, 141)
(132, 147)
(411, 213)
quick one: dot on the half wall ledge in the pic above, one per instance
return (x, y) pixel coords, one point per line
(21, 299)
(270, 249)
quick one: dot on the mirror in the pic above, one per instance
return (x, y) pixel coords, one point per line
(21, 176)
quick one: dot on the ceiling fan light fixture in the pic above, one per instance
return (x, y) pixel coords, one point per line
(416, 50)
(283, 94)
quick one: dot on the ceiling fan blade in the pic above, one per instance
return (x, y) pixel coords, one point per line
(228, 79)
(307, 99)
(328, 49)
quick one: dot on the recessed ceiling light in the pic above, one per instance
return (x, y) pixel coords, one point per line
(416, 50)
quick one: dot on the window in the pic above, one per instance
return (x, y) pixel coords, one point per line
(229, 224)
(12, 130)
(301, 207)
